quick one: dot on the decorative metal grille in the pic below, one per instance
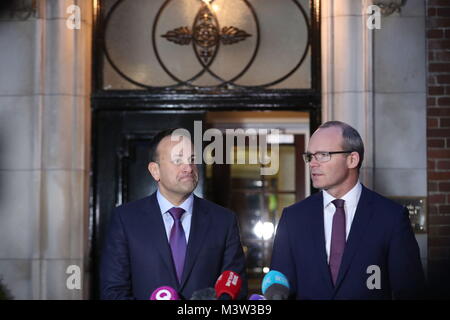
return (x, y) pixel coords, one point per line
(207, 37)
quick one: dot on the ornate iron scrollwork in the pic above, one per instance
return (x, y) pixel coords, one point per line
(206, 35)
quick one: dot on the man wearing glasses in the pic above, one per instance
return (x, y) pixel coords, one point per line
(171, 238)
(346, 241)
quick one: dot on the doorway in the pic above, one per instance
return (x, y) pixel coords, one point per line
(150, 73)
(257, 197)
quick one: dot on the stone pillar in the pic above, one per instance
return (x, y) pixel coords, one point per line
(400, 106)
(347, 86)
(44, 150)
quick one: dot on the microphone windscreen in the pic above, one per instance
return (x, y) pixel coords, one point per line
(164, 293)
(273, 277)
(204, 294)
(229, 283)
(277, 292)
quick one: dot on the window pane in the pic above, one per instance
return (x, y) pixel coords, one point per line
(247, 43)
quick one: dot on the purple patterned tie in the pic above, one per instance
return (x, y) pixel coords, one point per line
(177, 241)
(337, 238)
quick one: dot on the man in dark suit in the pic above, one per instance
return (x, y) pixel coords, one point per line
(346, 241)
(171, 238)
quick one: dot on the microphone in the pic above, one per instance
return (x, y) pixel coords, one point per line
(256, 297)
(204, 294)
(275, 286)
(228, 285)
(164, 293)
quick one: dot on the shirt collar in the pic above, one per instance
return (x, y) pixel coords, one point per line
(165, 205)
(351, 198)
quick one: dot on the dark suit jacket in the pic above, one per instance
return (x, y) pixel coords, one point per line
(136, 258)
(380, 235)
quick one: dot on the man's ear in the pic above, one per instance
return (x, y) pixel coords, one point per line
(153, 168)
(353, 160)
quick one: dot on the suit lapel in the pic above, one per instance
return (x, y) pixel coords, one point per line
(156, 231)
(199, 227)
(360, 221)
(318, 233)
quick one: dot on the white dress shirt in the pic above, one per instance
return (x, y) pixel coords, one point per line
(351, 202)
(165, 206)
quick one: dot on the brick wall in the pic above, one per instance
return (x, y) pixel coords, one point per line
(438, 145)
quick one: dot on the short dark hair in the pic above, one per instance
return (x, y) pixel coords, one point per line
(350, 137)
(154, 156)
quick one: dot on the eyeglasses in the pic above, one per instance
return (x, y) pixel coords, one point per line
(321, 156)
(178, 161)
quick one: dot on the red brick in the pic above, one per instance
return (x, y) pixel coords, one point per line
(434, 230)
(432, 122)
(444, 186)
(444, 209)
(442, 56)
(438, 44)
(439, 67)
(432, 80)
(443, 79)
(438, 133)
(444, 122)
(443, 164)
(431, 55)
(432, 12)
(438, 154)
(443, 230)
(439, 241)
(436, 91)
(438, 253)
(433, 210)
(438, 176)
(437, 3)
(444, 101)
(443, 12)
(439, 220)
(437, 199)
(433, 186)
(431, 164)
(435, 143)
(435, 34)
(439, 23)
(439, 112)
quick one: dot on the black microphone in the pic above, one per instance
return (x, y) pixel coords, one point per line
(225, 296)
(277, 292)
(204, 294)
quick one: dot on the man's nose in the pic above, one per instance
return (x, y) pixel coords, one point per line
(187, 167)
(314, 163)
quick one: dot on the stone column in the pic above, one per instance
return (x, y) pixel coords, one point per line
(400, 106)
(44, 150)
(347, 73)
